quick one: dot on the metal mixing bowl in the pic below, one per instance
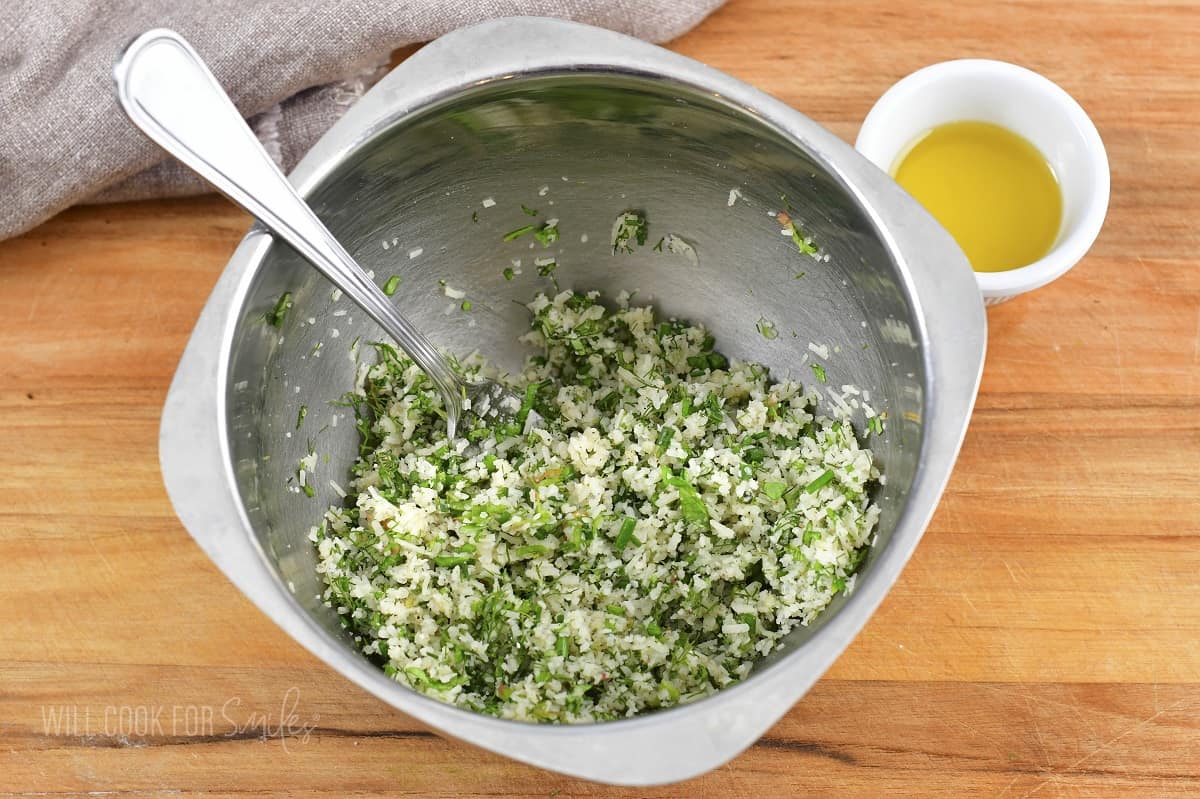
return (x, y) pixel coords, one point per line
(607, 123)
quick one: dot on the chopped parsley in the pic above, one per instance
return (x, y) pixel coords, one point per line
(277, 314)
(393, 282)
(547, 234)
(773, 490)
(803, 244)
(513, 235)
(816, 485)
(690, 504)
(629, 228)
(625, 536)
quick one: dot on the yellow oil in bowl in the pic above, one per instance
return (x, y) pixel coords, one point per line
(991, 188)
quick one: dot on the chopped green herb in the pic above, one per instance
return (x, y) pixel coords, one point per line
(819, 371)
(547, 269)
(547, 234)
(276, 316)
(658, 247)
(773, 490)
(626, 536)
(754, 454)
(528, 210)
(300, 415)
(875, 425)
(691, 505)
(475, 217)
(628, 228)
(710, 361)
(820, 482)
(393, 282)
(416, 675)
(766, 328)
(803, 244)
(509, 274)
(466, 305)
(454, 560)
(531, 392)
(513, 235)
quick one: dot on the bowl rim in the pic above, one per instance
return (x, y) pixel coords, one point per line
(651, 748)
(875, 142)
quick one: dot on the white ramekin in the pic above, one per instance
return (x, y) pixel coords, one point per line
(1026, 103)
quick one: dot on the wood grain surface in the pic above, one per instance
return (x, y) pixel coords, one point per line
(1042, 642)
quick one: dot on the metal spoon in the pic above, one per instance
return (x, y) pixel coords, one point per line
(170, 94)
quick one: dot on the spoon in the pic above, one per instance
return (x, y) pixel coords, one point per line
(171, 95)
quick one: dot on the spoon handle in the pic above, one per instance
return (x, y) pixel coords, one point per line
(170, 94)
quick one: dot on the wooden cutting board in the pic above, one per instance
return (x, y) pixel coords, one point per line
(1043, 640)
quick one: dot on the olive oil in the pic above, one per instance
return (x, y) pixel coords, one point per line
(991, 188)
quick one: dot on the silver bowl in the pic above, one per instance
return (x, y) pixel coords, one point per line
(538, 111)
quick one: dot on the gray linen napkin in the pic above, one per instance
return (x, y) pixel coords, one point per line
(292, 70)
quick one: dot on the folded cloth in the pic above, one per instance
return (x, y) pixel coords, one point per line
(291, 70)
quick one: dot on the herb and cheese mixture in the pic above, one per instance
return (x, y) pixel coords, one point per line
(672, 517)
